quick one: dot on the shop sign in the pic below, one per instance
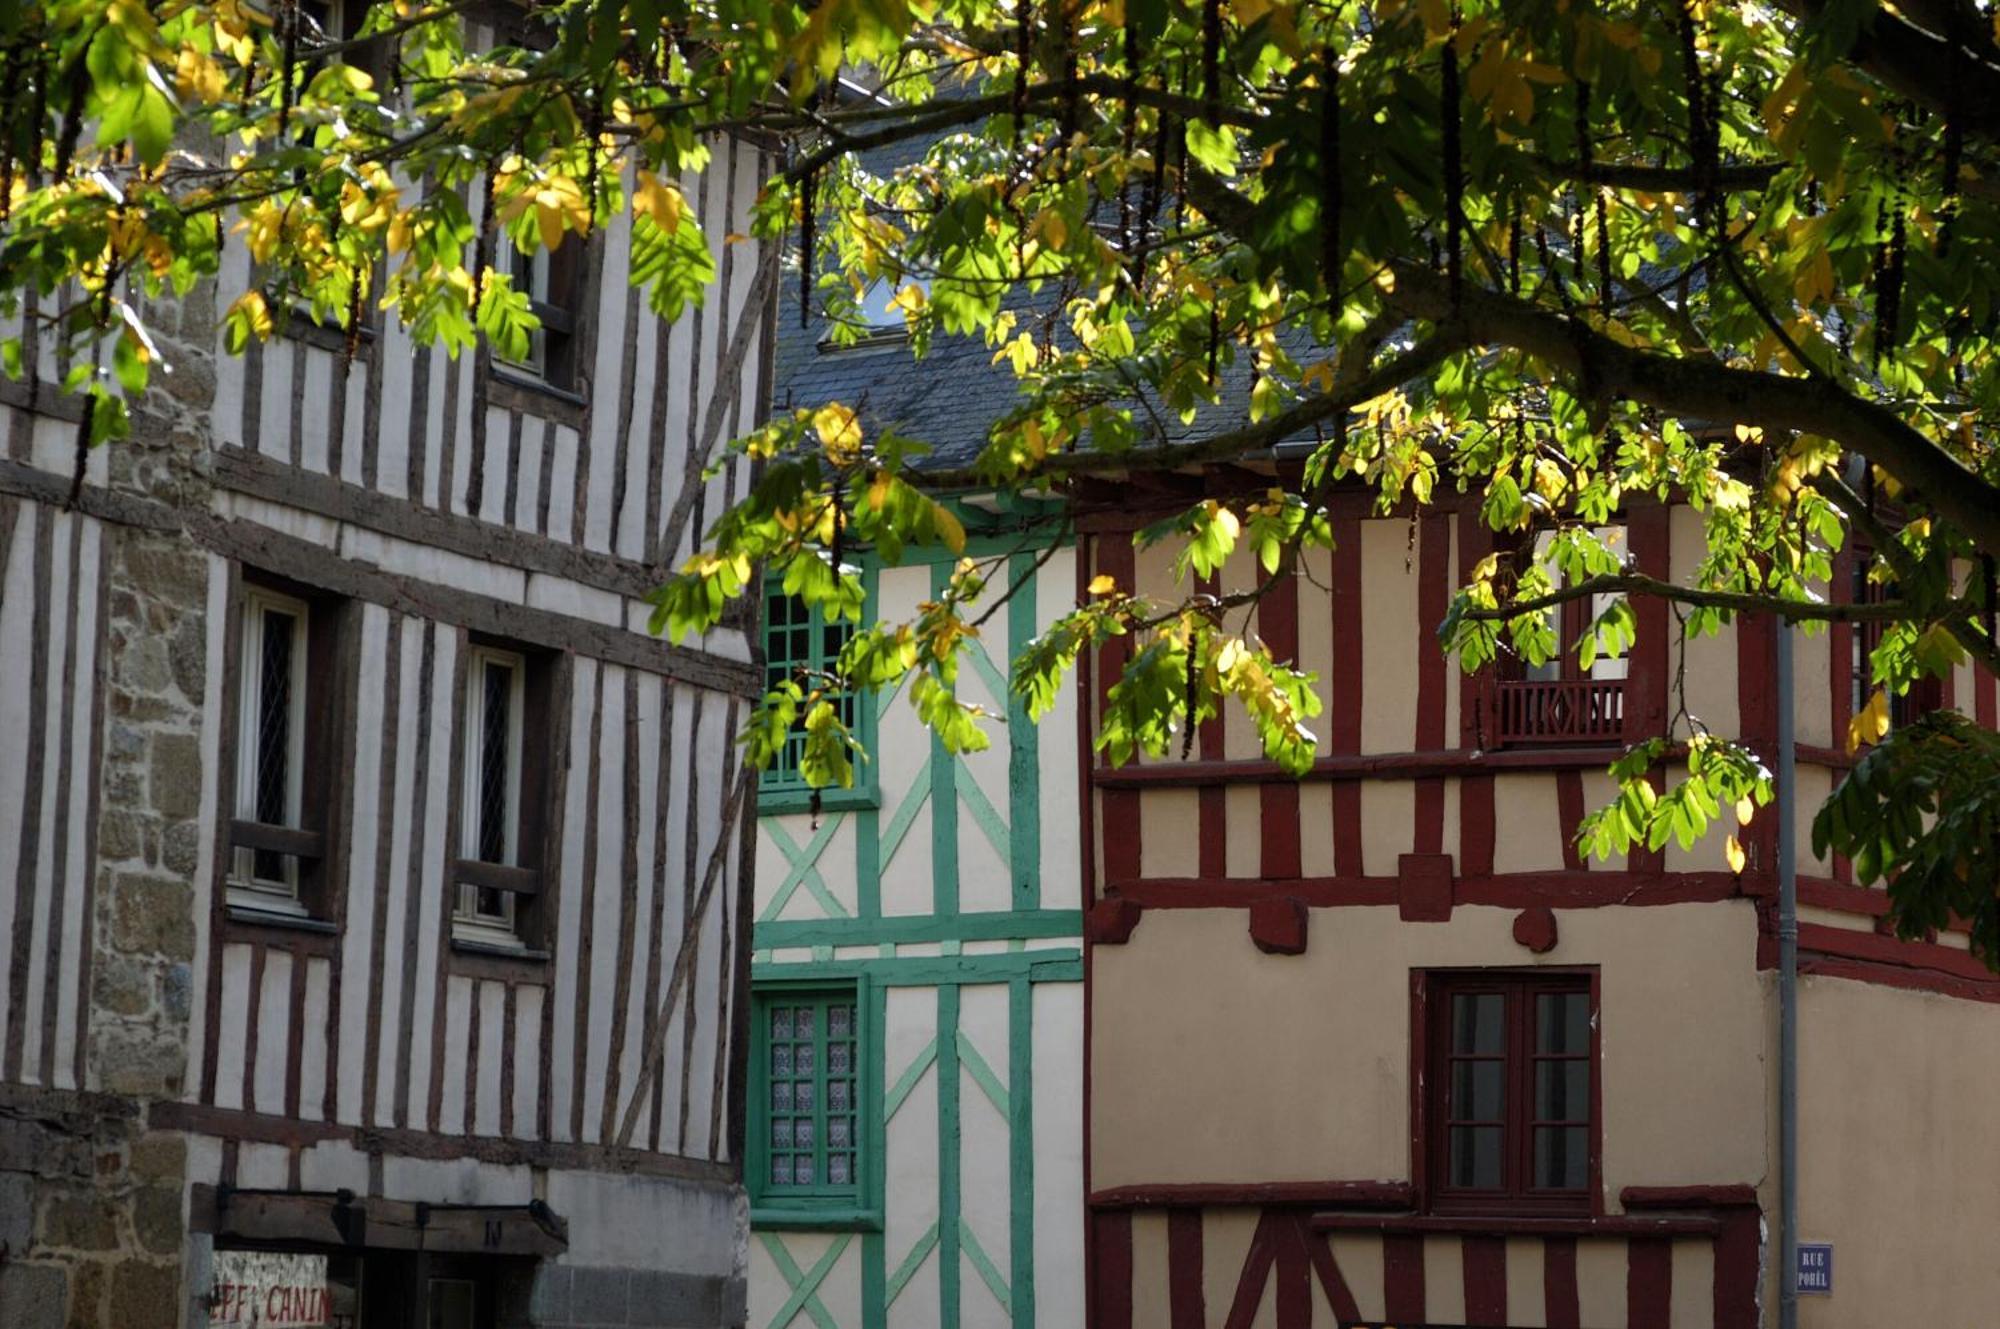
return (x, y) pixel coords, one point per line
(267, 1289)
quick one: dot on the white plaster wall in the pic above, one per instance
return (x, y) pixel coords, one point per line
(1058, 1094)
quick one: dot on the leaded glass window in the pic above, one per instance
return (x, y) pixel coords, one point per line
(809, 1059)
(270, 738)
(800, 646)
(490, 813)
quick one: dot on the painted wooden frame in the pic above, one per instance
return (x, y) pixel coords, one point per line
(857, 1207)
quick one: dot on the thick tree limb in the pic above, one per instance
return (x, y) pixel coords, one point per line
(1413, 363)
(1705, 390)
(1660, 179)
(1911, 62)
(1742, 602)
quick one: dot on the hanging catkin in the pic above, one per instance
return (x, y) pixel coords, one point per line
(1889, 280)
(1128, 130)
(1702, 142)
(72, 122)
(1188, 693)
(1514, 250)
(1454, 166)
(1024, 56)
(285, 92)
(808, 216)
(1332, 254)
(1211, 55)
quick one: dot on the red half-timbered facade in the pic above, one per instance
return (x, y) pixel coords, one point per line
(1379, 1046)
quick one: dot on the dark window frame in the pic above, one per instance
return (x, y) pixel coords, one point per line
(562, 310)
(559, 310)
(1431, 1086)
(325, 713)
(528, 878)
(1925, 695)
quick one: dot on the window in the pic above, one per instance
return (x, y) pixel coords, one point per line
(1509, 1099)
(806, 1143)
(550, 281)
(877, 318)
(502, 781)
(284, 687)
(1558, 700)
(800, 646)
(1924, 695)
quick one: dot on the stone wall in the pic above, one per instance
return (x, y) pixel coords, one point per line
(90, 1214)
(91, 1204)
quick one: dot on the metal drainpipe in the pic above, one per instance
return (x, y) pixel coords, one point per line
(1788, 994)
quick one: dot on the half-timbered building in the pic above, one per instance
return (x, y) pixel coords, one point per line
(1381, 1047)
(915, 1135)
(369, 876)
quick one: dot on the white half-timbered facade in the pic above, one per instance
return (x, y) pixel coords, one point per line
(372, 883)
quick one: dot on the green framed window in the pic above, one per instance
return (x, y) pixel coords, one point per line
(802, 647)
(809, 1138)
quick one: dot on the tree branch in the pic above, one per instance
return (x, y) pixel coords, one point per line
(1413, 363)
(1628, 583)
(1706, 390)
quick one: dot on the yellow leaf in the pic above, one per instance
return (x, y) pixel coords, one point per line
(950, 529)
(661, 201)
(1814, 282)
(1871, 723)
(1745, 810)
(198, 78)
(1732, 850)
(1050, 229)
(1103, 584)
(256, 310)
(839, 432)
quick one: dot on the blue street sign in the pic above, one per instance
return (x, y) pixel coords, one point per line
(1815, 1270)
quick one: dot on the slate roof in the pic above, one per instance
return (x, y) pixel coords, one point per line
(947, 399)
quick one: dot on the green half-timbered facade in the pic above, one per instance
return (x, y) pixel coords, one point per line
(915, 1131)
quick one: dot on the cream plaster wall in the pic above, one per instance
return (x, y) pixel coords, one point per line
(1899, 1161)
(1527, 824)
(1711, 661)
(1213, 1063)
(1391, 636)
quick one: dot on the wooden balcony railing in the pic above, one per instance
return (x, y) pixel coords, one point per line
(1571, 710)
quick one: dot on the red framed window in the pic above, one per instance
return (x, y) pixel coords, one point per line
(1508, 1108)
(1925, 695)
(1559, 701)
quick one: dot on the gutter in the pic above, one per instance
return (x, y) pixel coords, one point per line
(1788, 992)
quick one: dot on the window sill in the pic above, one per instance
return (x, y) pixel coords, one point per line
(792, 798)
(488, 959)
(829, 1218)
(302, 326)
(1599, 1225)
(517, 390)
(247, 914)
